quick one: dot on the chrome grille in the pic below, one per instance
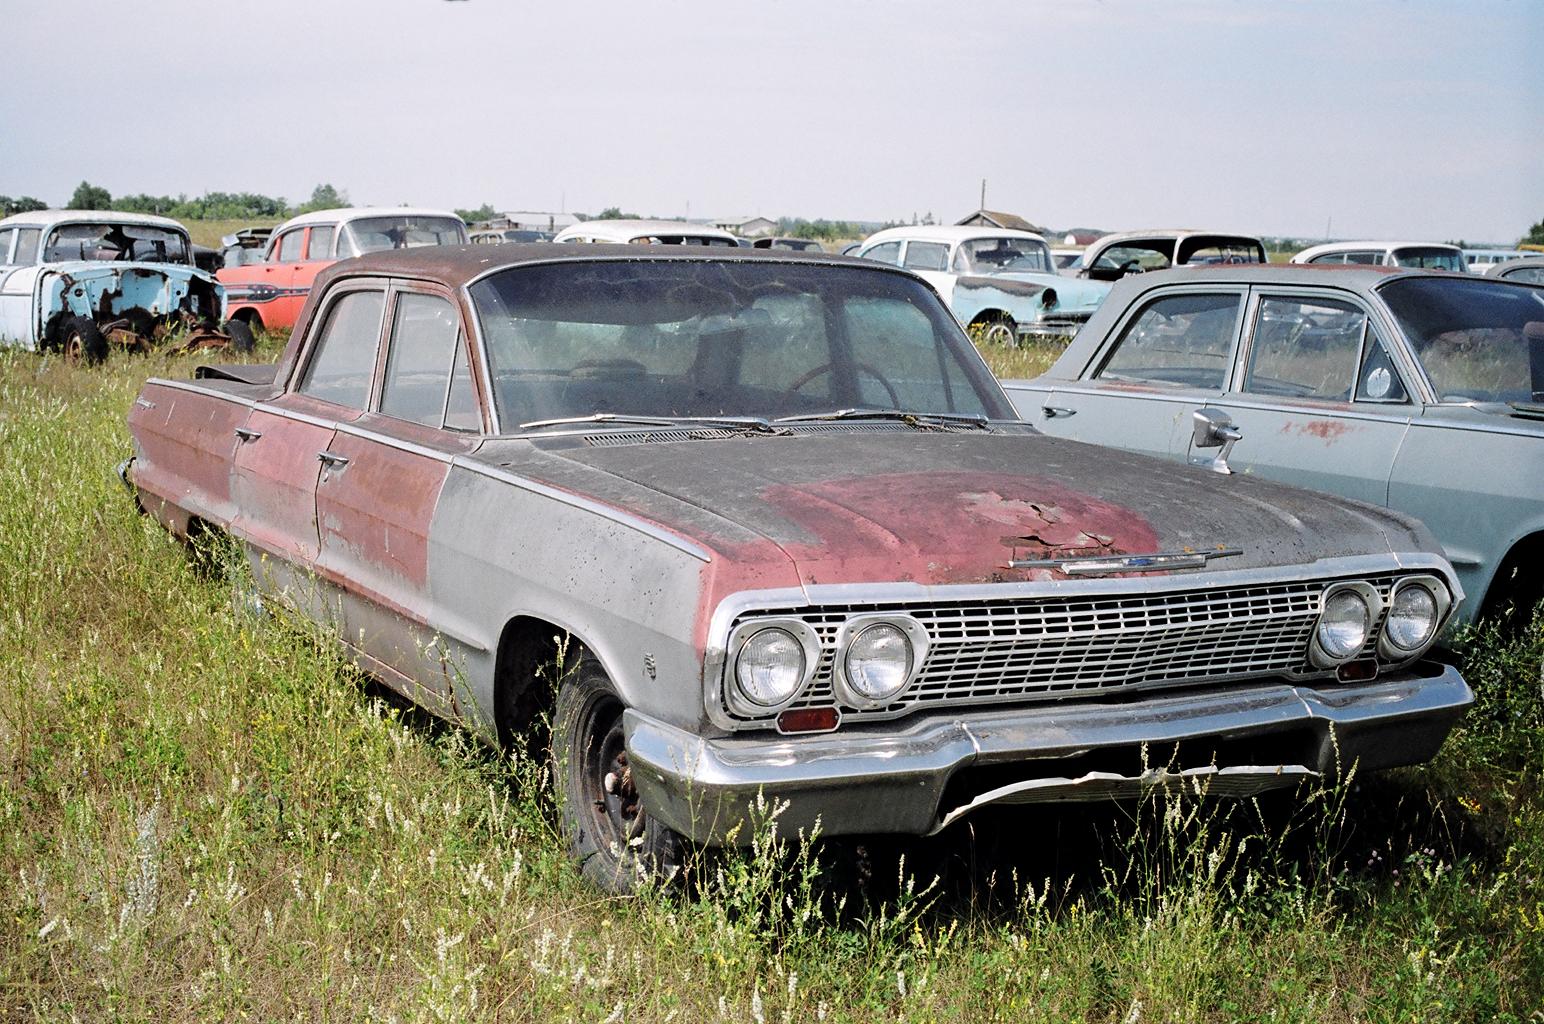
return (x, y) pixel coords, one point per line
(995, 651)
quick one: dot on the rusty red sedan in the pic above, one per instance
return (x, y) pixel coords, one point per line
(794, 542)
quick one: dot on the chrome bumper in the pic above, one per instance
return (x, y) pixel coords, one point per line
(917, 776)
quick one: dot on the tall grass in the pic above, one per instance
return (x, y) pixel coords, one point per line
(208, 816)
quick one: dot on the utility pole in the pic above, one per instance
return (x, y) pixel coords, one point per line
(983, 194)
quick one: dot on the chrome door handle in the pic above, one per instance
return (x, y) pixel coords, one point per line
(248, 434)
(1052, 412)
(332, 459)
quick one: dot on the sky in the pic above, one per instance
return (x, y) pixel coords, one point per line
(1372, 119)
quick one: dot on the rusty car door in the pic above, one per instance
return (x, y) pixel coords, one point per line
(375, 504)
(1317, 397)
(284, 447)
(1171, 355)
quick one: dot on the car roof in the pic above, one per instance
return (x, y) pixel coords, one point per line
(1522, 262)
(1315, 250)
(348, 213)
(947, 233)
(51, 218)
(622, 229)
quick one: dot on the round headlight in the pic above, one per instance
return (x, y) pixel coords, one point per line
(1344, 624)
(770, 667)
(1412, 617)
(878, 662)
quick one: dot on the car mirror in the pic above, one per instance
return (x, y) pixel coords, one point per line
(1213, 428)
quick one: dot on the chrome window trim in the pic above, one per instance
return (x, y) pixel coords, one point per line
(744, 602)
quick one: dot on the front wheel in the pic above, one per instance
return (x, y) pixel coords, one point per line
(82, 341)
(999, 331)
(617, 846)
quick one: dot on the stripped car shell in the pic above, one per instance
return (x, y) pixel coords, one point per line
(43, 296)
(740, 472)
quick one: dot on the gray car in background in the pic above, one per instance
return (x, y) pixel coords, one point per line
(1419, 391)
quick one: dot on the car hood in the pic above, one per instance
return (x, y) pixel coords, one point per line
(1072, 294)
(945, 507)
(83, 269)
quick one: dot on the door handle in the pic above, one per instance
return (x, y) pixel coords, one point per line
(248, 434)
(1052, 412)
(332, 459)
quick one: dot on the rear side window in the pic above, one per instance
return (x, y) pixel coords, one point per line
(343, 363)
(289, 246)
(5, 243)
(26, 245)
(927, 256)
(1184, 340)
(423, 345)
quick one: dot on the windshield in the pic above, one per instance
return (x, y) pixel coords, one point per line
(702, 338)
(1430, 258)
(1002, 255)
(372, 234)
(1473, 336)
(116, 242)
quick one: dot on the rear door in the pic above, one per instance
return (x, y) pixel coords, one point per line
(1172, 354)
(1318, 398)
(376, 502)
(283, 451)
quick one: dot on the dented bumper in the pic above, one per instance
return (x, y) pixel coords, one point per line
(919, 776)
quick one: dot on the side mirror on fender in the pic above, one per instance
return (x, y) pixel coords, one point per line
(1214, 428)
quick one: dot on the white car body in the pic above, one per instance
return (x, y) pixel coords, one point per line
(1383, 254)
(1009, 302)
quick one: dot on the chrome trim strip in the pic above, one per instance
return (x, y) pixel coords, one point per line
(615, 515)
(193, 387)
(1091, 565)
(353, 430)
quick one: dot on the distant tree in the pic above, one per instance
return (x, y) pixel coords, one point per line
(615, 213)
(21, 204)
(483, 212)
(1535, 235)
(90, 197)
(324, 197)
(144, 204)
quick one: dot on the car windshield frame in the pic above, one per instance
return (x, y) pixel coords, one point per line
(104, 232)
(677, 339)
(1425, 307)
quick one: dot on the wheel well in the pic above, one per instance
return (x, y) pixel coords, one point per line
(253, 320)
(990, 316)
(1517, 581)
(533, 655)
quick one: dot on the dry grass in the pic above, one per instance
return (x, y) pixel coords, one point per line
(208, 817)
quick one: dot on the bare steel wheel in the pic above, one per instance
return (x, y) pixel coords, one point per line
(609, 832)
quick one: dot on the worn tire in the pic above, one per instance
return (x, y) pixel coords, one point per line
(82, 340)
(616, 845)
(243, 338)
(999, 330)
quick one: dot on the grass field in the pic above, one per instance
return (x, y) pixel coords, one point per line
(206, 816)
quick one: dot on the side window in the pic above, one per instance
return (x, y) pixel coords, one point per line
(927, 256)
(289, 245)
(26, 246)
(1185, 340)
(343, 361)
(461, 412)
(1330, 257)
(1527, 275)
(346, 246)
(320, 246)
(887, 252)
(422, 347)
(5, 244)
(961, 263)
(1305, 348)
(1371, 259)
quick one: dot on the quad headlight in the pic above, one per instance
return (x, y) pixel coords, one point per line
(773, 660)
(1346, 618)
(1417, 608)
(878, 656)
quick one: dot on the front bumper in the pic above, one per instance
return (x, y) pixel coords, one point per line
(917, 776)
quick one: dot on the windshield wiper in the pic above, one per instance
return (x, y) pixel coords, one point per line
(753, 423)
(916, 419)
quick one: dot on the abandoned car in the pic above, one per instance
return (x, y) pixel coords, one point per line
(1418, 391)
(1114, 256)
(269, 293)
(1000, 283)
(800, 544)
(74, 281)
(1526, 270)
(647, 232)
(1420, 255)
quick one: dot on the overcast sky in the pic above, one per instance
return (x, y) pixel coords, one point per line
(1380, 119)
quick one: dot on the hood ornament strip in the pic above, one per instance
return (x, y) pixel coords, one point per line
(1098, 565)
